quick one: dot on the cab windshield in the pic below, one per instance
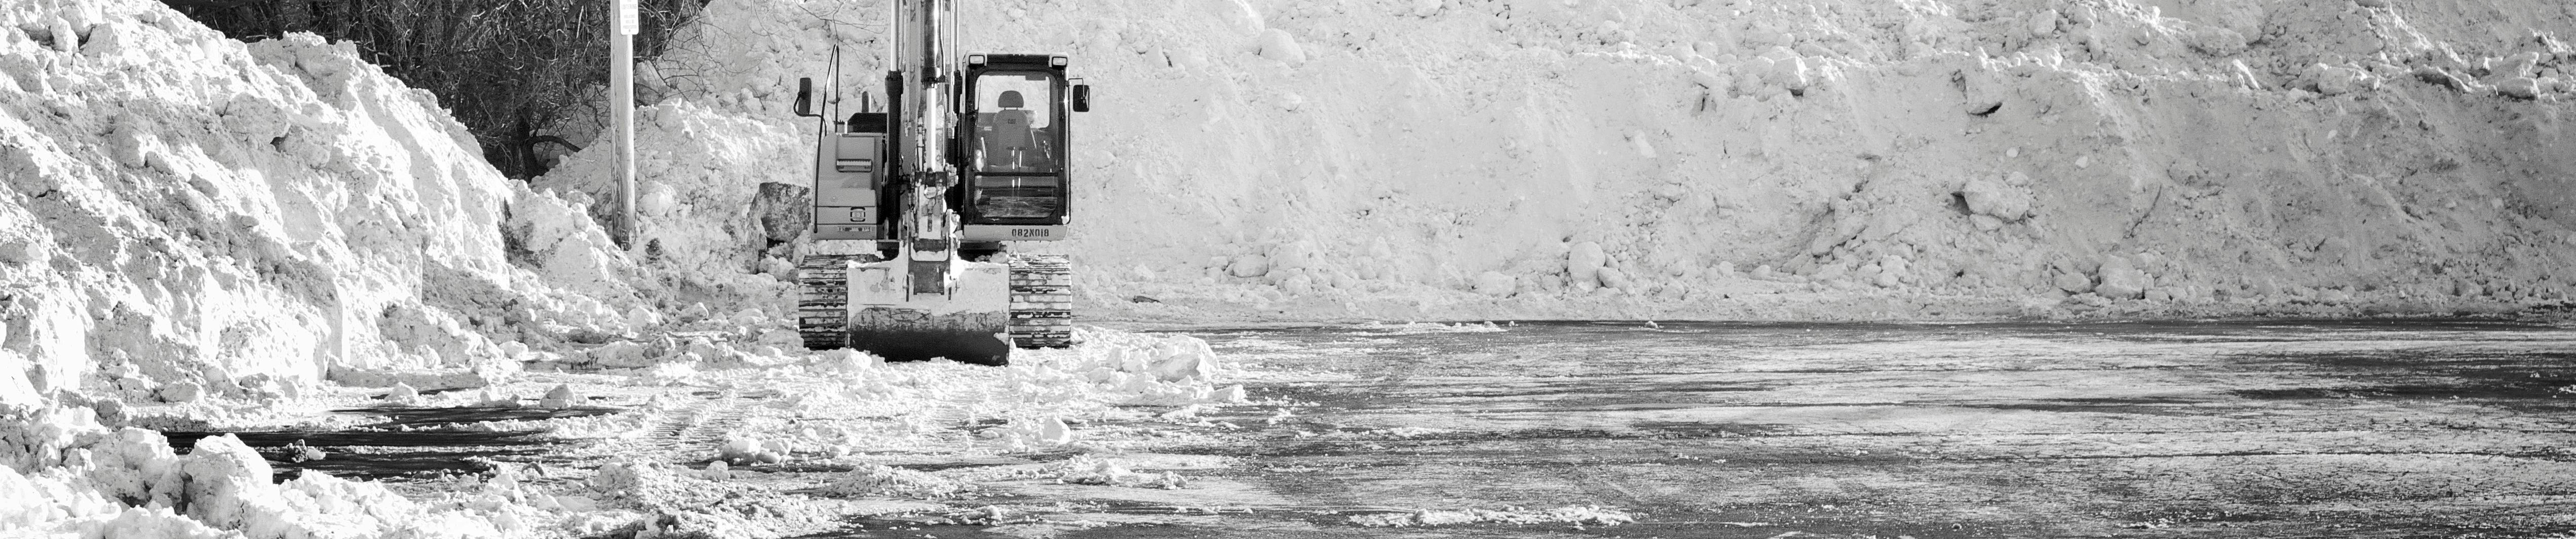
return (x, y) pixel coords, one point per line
(1015, 123)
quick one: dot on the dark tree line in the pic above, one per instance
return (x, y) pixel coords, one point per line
(506, 68)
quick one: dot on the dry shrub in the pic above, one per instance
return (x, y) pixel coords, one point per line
(506, 68)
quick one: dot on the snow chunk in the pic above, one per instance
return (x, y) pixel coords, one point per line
(402, 394)
(227, 483)
(2122, 279)
(559, 398)
(882, 480)
(1090, 470)
(846, 361)
(619, 477)
(745, 449)
(1583, 265)
(182, 391)
(1248, 266)
(1277, 44)
(2073, 283)
(2001, 198)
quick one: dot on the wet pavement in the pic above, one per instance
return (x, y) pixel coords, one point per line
(2185, 429)
(402, 442)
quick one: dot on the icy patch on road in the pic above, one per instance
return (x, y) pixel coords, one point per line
(1410, 432)
(1593, 515)
(1426, 328)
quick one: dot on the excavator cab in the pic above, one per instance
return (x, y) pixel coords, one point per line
(1015, 126)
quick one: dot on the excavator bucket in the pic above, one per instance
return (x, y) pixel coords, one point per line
(909, 310)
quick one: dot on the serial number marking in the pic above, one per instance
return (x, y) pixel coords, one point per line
(1031, 233)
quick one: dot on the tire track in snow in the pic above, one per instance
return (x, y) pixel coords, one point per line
(707, 429)
(684, 434)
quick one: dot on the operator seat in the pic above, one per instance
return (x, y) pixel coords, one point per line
(1008, 144)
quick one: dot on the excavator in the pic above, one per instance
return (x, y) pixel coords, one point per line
(915, 206)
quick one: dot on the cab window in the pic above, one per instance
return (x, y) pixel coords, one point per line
(1014, 122)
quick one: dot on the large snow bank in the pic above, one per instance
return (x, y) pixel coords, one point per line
(1761, 159)
(188, 221)
(188, 216)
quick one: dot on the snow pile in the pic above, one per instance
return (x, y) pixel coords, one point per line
(698, 197)
(189, 217)
(1737, 159)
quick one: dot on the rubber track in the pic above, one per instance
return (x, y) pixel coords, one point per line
(1041, 301)
(823, 306)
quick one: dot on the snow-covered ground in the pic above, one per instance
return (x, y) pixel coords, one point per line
(772, 447)
(198, 233)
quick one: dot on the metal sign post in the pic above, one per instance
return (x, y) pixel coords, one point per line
(621, 113)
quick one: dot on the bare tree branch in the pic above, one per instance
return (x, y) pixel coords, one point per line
(507, 69)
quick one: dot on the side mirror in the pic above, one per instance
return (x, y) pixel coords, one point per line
(1082, 98)
(805, 97)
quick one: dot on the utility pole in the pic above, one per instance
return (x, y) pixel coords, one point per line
(621, 113)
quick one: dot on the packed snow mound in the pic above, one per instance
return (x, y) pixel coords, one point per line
(199, 225)
(700, 203)
(187, 217)
(1758, 159)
